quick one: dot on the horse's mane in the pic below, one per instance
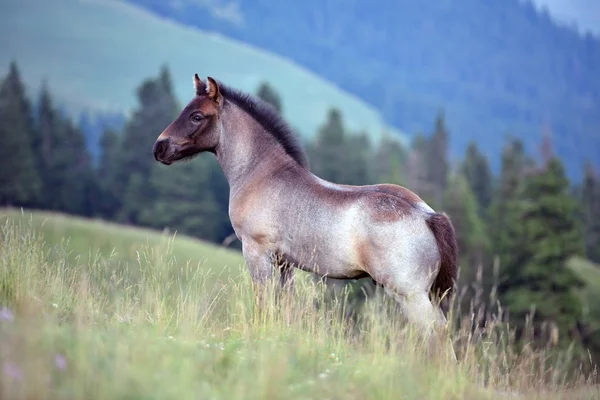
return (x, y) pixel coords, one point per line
(265, 114)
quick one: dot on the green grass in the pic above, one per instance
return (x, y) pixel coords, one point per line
(589, 273)
(84, 322)
(94, 54)
(85, 239)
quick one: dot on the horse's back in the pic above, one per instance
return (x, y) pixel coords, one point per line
(402, 193)
(386, 195)
(388, 224)
(354, 226)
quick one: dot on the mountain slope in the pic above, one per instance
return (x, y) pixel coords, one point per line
(94, 54)
(496, 66)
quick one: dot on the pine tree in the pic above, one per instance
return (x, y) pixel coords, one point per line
(476, 170)
(50, 131)
(65, 164)
(182, 200)
(267, 93)
(504, 211)
(389, 162)
(536, 273)
(590, 199)
(79, 180)
(157, 109)
(418, 171)
(338, 156)
(108, 202)
(218, 186)
(438, 158)
(461, 205)
(357, 156)
(19, 179)
(327, 152)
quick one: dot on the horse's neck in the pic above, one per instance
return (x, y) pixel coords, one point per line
(246, 150)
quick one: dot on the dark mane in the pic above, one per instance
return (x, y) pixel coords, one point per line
(266, 115)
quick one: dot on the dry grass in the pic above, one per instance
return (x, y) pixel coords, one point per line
(158, 327)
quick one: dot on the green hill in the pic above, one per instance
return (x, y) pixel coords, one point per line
(94, 54)
(85, 239)
(589, 273)
(80, 326)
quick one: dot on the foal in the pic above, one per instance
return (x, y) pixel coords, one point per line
(281, 211)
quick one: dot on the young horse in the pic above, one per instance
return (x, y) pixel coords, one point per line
(286, 216)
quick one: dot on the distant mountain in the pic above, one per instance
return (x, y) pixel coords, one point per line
(93, 55)
(497, 67)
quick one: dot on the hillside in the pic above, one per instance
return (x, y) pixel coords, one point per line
(589, 273)
(80, 327)
(94, 55)
(497, 66)
(86, 239)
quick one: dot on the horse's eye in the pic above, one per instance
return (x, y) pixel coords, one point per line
(196, 118)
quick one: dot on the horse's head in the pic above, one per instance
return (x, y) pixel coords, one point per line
(195, 129)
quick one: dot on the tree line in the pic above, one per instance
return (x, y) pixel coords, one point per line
(529, 219)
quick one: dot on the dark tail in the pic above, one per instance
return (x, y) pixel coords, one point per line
(445, 238)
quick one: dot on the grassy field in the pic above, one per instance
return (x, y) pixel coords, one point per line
(86, 239)
(90, 310)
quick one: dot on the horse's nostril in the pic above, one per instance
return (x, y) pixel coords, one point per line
(160, 148)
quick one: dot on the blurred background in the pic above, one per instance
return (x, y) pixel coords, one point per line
(489, 110)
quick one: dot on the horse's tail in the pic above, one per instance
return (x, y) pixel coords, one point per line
(445, 237)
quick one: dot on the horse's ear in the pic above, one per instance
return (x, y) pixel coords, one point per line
(212, 88)
(199, 86)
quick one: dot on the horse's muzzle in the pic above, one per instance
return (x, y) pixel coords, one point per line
(160, 150)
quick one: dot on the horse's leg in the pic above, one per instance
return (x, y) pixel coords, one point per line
(423, 315)
(260, 263)
(285, 290)
(286, 279)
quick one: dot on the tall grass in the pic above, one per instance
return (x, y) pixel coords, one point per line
(156, 328)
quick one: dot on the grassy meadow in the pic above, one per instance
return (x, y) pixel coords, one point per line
(91, 310)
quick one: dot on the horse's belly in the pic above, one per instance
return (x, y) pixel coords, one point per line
(323, 239)
(336, 260)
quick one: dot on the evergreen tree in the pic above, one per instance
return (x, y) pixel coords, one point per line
(536, 274)
(590, 198)
(108, 202)
(19, 179)
(504, 213)
(79, 181)
(357, 157)
(65, 164)
(47, 127)
(476, 170)
(438, 158)
(182, 200)
(461, 205)
(389, 162)
(219, 187)
(267, 93)
(327, 152)
(157, 109)
(50, 131)
(418, 170)
(340, 157)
